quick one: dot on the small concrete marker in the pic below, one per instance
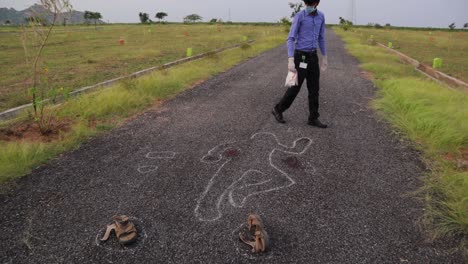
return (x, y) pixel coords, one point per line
(437, 63)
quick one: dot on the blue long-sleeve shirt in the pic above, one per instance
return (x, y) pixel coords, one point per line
(307, 33)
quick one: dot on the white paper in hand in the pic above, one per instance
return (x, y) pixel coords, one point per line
(291, 79)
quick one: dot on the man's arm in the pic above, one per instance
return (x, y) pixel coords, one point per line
(293, 35)
(321, 38)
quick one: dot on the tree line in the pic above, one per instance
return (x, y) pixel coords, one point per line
(144, 17)
(192, 18)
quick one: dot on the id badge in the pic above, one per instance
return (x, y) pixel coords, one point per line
(303, 65)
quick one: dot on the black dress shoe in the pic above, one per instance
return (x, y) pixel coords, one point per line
(278, 116)
(316, 123)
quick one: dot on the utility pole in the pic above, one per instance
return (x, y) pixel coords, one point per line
(229, 18)
(353, 8)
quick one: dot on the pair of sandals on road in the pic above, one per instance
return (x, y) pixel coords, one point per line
(124, 229)
(126, 232)
(259, 240)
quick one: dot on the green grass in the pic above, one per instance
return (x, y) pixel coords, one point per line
(18, 158)
(432, 116)
(78, 56)
(450, 46)
(102, 110)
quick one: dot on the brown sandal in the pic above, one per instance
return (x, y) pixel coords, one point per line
(261, 239)
(124, 230)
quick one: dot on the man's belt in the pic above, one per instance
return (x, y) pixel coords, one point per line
(306, 53)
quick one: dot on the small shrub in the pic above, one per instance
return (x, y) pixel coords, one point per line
(245, 46)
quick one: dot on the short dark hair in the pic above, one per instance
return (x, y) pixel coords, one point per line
(311, 1)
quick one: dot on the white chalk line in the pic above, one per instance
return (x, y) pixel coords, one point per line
(161, 155)
(147, 169)
(230, 188)
(204, 159)
(156, 155)
(218, 205)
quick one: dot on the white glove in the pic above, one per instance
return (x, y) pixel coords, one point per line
(324, 65)
(291, 65)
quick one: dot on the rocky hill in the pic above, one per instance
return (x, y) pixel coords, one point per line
(19, 17)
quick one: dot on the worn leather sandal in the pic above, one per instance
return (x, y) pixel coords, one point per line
(124, 229)
(260, 237)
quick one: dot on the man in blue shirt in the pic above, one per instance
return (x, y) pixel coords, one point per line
(306, 35)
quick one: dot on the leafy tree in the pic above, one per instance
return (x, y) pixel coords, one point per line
(213, 20)
(466, 25)
(285, 21)
(144, 17)
(452, 26)
(7, 22)
(345, 24)
(95, 16)
(161, 15)
(36, 20)
(192, 18)
(296, 7)
(38, 35)
(87, 16)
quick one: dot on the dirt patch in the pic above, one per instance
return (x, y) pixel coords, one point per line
(195, 84)
(450, 156)
(30, 131)
(462, 162)
(366, 75)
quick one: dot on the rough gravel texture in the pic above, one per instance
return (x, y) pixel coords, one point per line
(345, 199)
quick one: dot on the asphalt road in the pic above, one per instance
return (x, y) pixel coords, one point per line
(190, 171)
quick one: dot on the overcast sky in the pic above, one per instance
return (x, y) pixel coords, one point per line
(414, 13)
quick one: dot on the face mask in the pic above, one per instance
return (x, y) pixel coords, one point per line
(310, 9)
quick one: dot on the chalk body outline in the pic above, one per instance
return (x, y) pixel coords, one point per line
(231, 188)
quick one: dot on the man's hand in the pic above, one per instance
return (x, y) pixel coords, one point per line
(324, 65)
(291, 65)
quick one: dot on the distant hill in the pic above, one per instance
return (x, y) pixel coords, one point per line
(18, 17)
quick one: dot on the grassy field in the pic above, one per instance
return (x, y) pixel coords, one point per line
(100, 111)
(425, 45)
(430, 115)
(78, 56)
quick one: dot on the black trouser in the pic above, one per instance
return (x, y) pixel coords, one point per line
(312, 75)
